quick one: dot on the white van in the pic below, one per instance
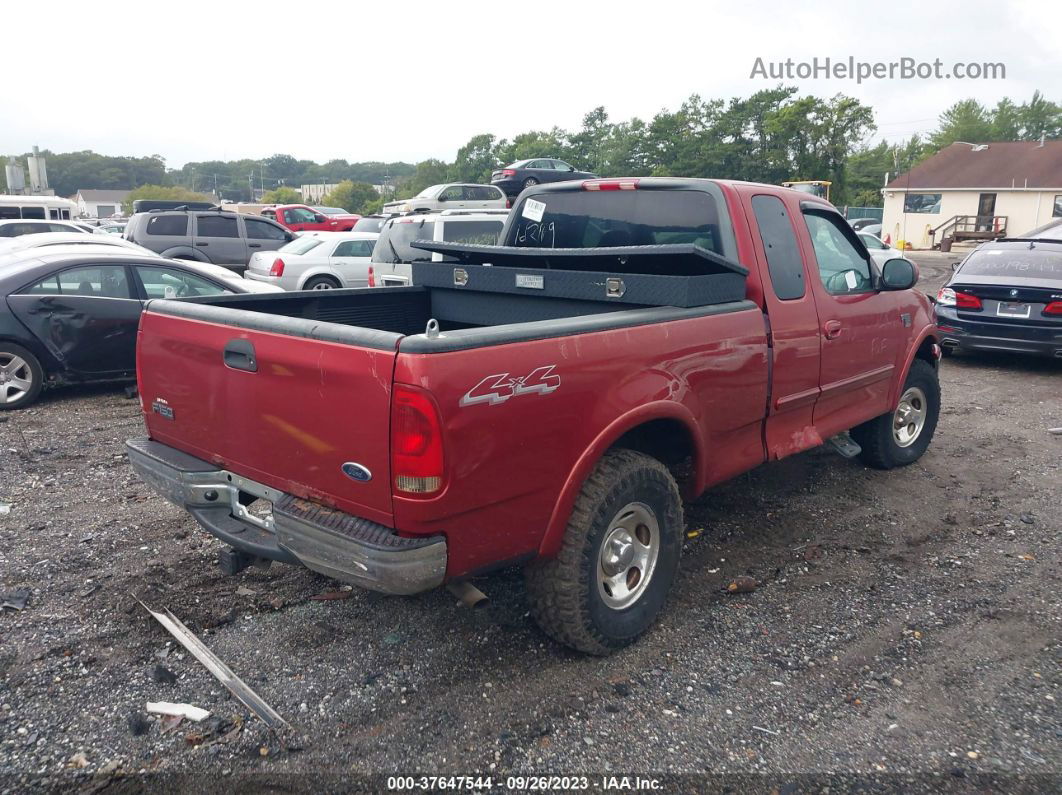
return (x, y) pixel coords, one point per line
(39, 208)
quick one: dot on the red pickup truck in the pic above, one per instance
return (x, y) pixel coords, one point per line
(300, 218)
(548, 402)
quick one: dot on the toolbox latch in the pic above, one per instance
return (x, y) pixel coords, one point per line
(614, 287)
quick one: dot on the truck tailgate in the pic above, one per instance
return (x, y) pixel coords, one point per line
(284, 408)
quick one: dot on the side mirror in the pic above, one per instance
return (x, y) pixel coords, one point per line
(320, 218)
(955, 265)
(899, 274)
(442, 198)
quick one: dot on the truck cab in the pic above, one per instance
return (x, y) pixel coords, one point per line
(301, 218)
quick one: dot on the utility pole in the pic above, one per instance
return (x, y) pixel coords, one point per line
(250, 187)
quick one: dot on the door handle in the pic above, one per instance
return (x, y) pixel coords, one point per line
(254, 245)
(832, 329)
(239, 355)
(202, 244)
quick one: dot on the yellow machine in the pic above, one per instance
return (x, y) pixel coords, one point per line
(816, 187)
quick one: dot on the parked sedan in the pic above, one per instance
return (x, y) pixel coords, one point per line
(316, 261)
(1005, 296)
(524, 173)
(31, 226)
(455, 196)
(880, 251)
(70, 314)
(12, 245)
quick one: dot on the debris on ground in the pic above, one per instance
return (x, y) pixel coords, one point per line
(78, 760)
(15, 600)
(5, 508)
(164, 675)
(330, 596)
(1055, 431)
(243, 590)
(189, 711)
(743, 584)
(221, 672)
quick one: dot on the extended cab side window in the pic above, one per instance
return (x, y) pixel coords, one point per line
(784, 262)
(843, 267)
(263, 230)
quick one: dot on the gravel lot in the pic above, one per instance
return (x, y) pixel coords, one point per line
(907, 630)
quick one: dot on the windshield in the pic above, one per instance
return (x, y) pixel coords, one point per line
(366, 224)
(393, 244)
(1025, 262)
(300, 245)
(427, 193)
(609, 219)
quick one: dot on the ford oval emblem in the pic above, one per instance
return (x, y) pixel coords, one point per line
(357, 472)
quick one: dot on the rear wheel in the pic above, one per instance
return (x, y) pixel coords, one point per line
(321, 283)
(21, 377)
(900, 437)
(530, 181)
(618, 559)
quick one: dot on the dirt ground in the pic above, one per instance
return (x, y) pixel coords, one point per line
(907, 633)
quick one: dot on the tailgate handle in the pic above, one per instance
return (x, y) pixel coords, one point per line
(239, 355)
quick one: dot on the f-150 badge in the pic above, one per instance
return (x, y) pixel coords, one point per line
(498, 388)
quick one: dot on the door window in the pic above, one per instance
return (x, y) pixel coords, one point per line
(173, 283)
(452, 194)
(300, 215)
(353, 248)
(33, 212)
(780, 245)
(216, 226)
(872, 242)
(99, 281)
(263, 230)
(560, 165)
(49, 286)
(842, 266)
(172, 225)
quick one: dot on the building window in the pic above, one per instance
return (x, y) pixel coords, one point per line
(921, 203)
(1057, 212)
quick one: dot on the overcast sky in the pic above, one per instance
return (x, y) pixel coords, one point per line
(410, 80)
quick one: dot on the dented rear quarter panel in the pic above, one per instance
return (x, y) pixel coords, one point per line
(514, 467)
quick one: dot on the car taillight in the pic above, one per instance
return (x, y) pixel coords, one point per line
(960, 300)
(278, 267)
(372, 277)
(1053, 308)
(508, 172)
(416, 442)
(508, 204)
(611, 184)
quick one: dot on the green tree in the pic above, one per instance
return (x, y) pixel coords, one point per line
(966, 120)
(475, 160)
(354, 197)
(282, 195)
(162, 192)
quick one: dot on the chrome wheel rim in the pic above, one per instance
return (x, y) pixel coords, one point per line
(910, 417)
(16, 377)
(628, 555)
(322, 286)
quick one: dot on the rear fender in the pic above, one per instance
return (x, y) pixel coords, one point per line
(661, 410)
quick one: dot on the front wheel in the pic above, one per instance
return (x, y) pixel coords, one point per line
(21, 377)
(618, 559)
(900, 437)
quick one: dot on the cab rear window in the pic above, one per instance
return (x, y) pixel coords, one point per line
(609, 219)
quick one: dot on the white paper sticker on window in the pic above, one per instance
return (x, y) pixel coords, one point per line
(169, 292)
(850, 279)
(533, 210)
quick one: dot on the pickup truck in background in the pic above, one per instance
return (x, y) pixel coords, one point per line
(548, 402)
(300, 218)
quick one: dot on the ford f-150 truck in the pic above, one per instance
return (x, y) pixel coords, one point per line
(547, 402)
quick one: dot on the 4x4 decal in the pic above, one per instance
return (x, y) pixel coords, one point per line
(500, 387)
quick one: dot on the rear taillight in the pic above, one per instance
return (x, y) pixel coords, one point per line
(508, 204)
(960, 300)
(278, 267)
(1053, 308)
(508, 172)
(372, 277)
(611, 184)
(416, 442)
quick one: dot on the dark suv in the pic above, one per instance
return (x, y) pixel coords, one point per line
(216, 236)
